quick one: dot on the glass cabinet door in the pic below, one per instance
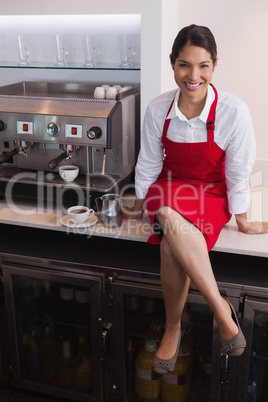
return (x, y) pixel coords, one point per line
(54, 323)
(256, 314)
(140, 320)
(2, 320)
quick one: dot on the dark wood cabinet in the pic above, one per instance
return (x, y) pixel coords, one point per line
(89, 304)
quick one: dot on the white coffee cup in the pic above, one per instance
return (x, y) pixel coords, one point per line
(68, 172)
(99, 93)
(111, 93)
(79, 214)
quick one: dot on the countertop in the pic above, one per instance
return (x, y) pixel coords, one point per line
(28, 214)
(25, 213)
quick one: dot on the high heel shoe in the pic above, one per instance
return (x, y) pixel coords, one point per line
(162, 366)
(235, 346)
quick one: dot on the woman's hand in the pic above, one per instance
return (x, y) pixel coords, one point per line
(250, 227)
(134, 212)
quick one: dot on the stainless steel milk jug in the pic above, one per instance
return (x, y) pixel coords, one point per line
(109, 209)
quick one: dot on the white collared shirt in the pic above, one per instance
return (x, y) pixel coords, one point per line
(233, 133)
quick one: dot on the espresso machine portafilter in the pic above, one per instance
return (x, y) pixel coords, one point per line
(67, 152)
(20, 148)
(58, 124)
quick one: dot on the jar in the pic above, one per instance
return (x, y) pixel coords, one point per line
(147, 382)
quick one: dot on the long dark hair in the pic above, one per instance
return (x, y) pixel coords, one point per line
(195, 35)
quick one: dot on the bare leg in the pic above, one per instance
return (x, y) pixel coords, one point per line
(189, 249)
(175, 285)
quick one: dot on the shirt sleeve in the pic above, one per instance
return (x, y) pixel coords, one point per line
(150, 159)
(240, 158)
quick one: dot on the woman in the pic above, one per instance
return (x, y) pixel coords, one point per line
(192, 174)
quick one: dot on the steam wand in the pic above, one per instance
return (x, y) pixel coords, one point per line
(103, 162)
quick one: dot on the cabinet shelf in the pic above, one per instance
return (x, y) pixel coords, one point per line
(69, 66)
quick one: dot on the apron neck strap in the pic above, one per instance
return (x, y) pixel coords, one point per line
(211, 117)
(210, 120)
(167, 122)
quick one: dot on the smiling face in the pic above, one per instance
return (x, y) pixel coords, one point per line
(193, 70)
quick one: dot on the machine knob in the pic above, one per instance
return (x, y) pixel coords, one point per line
(93, 133)
(2, 125)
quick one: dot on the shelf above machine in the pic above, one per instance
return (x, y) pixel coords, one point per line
(69, 66)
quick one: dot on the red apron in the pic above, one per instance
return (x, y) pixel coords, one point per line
(192, 182)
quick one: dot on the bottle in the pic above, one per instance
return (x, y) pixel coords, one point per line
(67, 312)
(252, 392)
(32, 355)
(253, 378)
(131, 302)
(47, 305)
(66, 295)
(82, 298)
(47, 355)
(147, 382)
(130, 364)
(67, 368)
(176, 384)
(36, 284)
(83, 365)
(147, 305)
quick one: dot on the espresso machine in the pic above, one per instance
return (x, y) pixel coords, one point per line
(45, 125)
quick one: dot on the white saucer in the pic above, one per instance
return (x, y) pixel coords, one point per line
(65, 221)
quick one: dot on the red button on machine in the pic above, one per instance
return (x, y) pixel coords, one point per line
(25, 127)
(74, 130)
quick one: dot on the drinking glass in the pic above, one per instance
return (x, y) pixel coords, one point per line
(61, 51)
(90, 50)
(23, 51)
(127, 53)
